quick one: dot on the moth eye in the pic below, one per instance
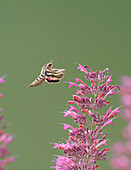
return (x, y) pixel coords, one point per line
(50, 65)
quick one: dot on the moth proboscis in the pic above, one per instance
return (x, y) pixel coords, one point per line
(49, 74)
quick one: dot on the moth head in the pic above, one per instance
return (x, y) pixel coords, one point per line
(49, 65)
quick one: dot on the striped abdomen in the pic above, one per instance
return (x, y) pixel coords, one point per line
(38, 81)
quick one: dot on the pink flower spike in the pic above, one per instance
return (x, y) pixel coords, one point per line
(76, 98)
(6, 141)
(66, 126)
(72, 102)
(108, 80)
(121, 159)
(74, 109)
(93, 82)
(91, 160)
(107, 102)
(5, 162)
(82, 69)
(72, 84)
(114, 112)
(83, 127)
(111, 92)
(126, 100)
(121, 162)
(86, 143)
(107, 149)
(106, 69)
(79, 80)
(60, 146)
(2, 79)
(119, 147)
(96, 166)
(108, 111)
(80, 92)
(85, 111)
(101, 95)
(107, 123)
(1, 95)
(101, 143)
(117, 88)
(88, 68)
(70, 113)
(56, 145)
(3, 137)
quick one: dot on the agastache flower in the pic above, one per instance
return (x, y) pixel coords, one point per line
(84, 146)
(2, 79)
(121, 157)
(5, 138)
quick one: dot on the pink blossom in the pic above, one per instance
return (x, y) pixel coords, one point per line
(83, 148)
(126, 100)
(82, 68)
(70, 113)
(121, 163)
(79, 80)
(73, 84)
(5, 138)
(66, 126)
(121, 152)
(1, 95)
(2, 79)
(5, 162)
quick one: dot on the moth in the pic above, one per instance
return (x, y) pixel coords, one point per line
(49, 74)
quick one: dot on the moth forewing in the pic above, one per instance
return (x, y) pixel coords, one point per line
(58, 70)
(57, 73)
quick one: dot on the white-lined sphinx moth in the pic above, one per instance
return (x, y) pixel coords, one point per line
(49, 74)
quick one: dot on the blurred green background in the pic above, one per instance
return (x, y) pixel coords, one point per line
(95, 33)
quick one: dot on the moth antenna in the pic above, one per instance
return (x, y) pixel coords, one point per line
(51, 61)
(61, 61)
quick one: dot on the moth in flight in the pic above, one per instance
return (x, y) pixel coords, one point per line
(49, 74)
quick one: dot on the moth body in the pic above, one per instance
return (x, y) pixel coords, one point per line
(48, 74)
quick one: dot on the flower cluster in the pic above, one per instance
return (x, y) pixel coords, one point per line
(84, 146)
(5, 138)
(121, 158)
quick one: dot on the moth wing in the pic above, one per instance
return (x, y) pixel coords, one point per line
(50, 79)
(54, 75)
(58, 73)
(38, 81)
(57, 70)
